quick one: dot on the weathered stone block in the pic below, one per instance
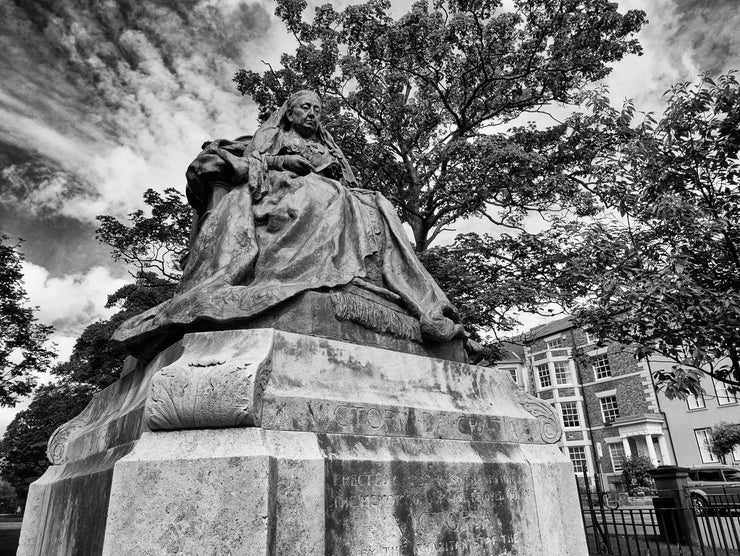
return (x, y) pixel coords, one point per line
(268, 442)
(254, 492)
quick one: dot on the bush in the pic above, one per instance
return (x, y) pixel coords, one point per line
(635, 473)
(725, 436)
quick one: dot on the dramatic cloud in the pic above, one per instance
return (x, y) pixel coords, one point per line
(71, 302)
(114, 97)
(683, 39)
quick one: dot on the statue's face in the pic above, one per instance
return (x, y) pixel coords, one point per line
(304, 116)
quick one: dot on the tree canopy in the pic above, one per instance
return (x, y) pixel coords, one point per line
(152, 243)
(416, 102)
(666, 266)
(25, 440)
(148, 243)
(725, 438)
(94, 364)
(22, 337)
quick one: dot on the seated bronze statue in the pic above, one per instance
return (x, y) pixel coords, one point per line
(279, 215)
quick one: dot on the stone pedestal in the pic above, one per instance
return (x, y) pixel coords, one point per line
(257, 442)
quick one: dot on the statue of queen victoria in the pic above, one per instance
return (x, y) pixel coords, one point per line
(282, 214)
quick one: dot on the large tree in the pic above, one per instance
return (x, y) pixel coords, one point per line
(150, 243)
(94, 364)
(667, 264)
(22, 337)
(420, 104)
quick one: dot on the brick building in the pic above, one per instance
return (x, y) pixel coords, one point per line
(608, 404)
(604, 396)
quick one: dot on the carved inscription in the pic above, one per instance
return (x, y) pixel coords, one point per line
(492, 427)
(483, 546)
(376, 420)
(415, 508)
(384, 420)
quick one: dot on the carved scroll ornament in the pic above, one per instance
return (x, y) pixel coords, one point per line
(215, 383)
(547, 420)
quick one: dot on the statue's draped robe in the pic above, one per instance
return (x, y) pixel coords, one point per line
(278, 234)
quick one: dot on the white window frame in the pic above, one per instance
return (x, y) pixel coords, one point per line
(582, 451)
(569, 378)
(616, 459)
(602, 402)
(591, 338)
(555, 343)
(540, 374)
(723, 396)
(577, 414)
(736, 453)
(704, 442)
(597, 368)
(698, 402)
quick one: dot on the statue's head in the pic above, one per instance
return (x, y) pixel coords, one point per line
(304, 112)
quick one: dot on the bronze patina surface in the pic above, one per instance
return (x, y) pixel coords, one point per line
(282, 214)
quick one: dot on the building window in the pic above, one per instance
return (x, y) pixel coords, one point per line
(696, 402)
(736, 453)
(578, 458)
(543, 373)
(616, 453)
(601, 367)
(570, 414)
(562, 372)
(512, 372)
(591, 338)
(724, 397)
(554, 343)
(704, 440)
(609, 408)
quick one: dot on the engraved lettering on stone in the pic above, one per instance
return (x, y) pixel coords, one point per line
(437, 501)
(368, 419)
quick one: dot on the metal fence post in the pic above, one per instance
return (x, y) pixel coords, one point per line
(673, 507)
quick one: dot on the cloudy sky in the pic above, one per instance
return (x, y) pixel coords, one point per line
(102, 99)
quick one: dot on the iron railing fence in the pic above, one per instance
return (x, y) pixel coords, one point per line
(726, 497)
(671, 526)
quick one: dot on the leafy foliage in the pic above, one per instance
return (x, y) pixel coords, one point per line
(669, 280)
(148, 243)
(635, 473)
(415, 102)
(94, 364)
(8, 497)
(490, 279)
(24, 442)
(725, 437)
(22, 338)
(152, 243)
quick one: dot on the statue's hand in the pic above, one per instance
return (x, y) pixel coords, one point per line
(436, 325)
(296, 163)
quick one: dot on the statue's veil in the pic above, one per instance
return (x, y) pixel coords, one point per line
(267, 138)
